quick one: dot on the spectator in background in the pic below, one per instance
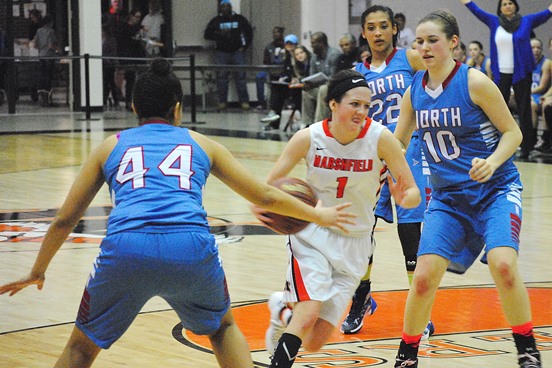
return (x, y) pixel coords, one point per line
(347, 60)
(109, 49)
(129, 45)
(232, 34)
(351, 53)
(296, 67)
(114, 16)
(478, 59)
(406, 35)
(35, 16)
(512, 60)
(273, 54)
(365, 52)
(459, 53)
(151, 28)
(324, 60)
(546, 102)
(539, 86)
(46, 43)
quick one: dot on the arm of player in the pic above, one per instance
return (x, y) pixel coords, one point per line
(487, 96)
(294, 151)
(82, 192)
(404, 189)
(232, 173)
(407, 121)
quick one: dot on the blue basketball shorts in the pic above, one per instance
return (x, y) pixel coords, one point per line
(183, 268)
(459, 224)
(420, 171)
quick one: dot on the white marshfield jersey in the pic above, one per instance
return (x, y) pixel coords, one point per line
(347, 173)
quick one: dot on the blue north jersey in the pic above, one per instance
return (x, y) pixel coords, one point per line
(156, 184)
(453, 130)
(388, 83)
(536, 80)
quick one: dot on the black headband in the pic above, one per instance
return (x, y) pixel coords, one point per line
(346, 84)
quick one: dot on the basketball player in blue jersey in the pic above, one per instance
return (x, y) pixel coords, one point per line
(468, 138)
(345, 162)
(389, 73)
(158, 241)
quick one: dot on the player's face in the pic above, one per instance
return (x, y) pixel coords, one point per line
(474, 50)
(379, 31)
(433, 45)
(351, 112)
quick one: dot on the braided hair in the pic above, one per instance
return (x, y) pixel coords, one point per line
(157, 91)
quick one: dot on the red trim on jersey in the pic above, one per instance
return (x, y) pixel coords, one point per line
(387, 59)
(326, 128)
(362, 134)
(300, 289)
(365, 128)
(446, 81)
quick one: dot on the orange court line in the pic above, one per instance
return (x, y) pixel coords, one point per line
(457, 310)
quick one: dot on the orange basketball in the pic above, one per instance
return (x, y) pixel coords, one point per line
(281, 223)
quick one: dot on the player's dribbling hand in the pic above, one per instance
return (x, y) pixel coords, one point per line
(16, 286)
(335, 216)
(482, 170)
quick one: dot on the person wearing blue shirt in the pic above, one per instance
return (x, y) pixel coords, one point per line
(469, 139)
(158, 240)
(511, 66)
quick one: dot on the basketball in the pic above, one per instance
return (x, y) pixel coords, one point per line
(284, 224)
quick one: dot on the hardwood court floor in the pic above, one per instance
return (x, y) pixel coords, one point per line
(37, 170)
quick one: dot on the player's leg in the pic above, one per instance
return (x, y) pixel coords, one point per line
(427, 277)
(515, 302)
(362, 304)
(409, 235)
(229, 344)
(80, 351)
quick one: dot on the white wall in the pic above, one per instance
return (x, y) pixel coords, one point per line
(328, 16)
(91, 43)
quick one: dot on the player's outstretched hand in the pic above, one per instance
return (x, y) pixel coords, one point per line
(335, 216)
(16, 286)
(405, 196)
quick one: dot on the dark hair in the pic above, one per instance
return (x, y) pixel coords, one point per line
(500, 3)
(446, 20)
(400, 15)
(538, 40)
(36, 13)
(390, 15)
(320, 36)
(47, 19)
(157, 91)
(479, 44)
(334, 93)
